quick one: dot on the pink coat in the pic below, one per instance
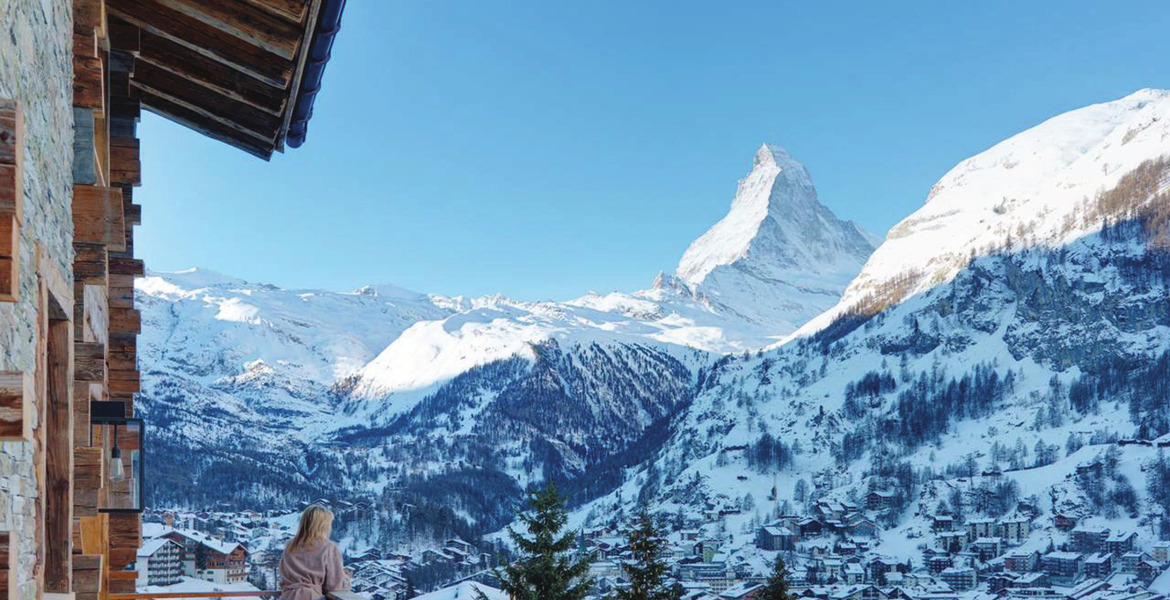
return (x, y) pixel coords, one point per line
(308, 573)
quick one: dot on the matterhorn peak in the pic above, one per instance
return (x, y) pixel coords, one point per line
(775, 223)
(773, 156)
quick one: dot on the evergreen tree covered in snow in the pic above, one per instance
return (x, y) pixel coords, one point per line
(547, 569)
(776, 588)
(647, 569)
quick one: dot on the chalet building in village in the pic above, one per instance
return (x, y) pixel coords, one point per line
(74, 80)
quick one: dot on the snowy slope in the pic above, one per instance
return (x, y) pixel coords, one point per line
(777, 259)
(288, 393)
(1028, 301)
(1029, 190)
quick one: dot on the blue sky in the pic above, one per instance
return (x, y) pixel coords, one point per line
(544, 149)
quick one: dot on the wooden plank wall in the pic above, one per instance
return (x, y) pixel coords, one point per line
(11, 198)
(106, 324)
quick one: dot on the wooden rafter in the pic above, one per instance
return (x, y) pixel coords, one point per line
(256, 27)
(212, 129)
(214, 75)
(209, 101)
(154, 17)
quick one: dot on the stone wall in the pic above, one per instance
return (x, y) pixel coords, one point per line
(36, 47)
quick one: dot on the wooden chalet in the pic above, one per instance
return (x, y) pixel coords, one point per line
(74, 80)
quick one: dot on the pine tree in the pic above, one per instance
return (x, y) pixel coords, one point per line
(647, 569)
(776, 588)
(546, 570)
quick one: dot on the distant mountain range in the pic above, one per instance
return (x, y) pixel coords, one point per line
(1026, 300)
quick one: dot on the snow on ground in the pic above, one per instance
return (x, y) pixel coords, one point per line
(465, 591)
(192, 586)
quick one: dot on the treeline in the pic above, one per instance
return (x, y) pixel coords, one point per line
(768, 454)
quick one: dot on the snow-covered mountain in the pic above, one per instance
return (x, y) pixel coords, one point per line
(1019, 320)
(779, 257)
(258, 370)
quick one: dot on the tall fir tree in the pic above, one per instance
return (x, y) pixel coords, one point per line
(647, 569)
(547, 568)
(776, 588)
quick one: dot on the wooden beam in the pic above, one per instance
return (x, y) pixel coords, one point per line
(89, 361)
(85, 159)
(208, 127)
(154, 17)
(90, 264)
(88, 470)
(11, 198)
(59, 460)
(125, 321)
(293, 11)
(123, 353)
(16, 402)
(125, 161)
(87, 575)
(124, 36)
(165, 54)
(89, 84)
(121, 291)
(57, 288)
(125, 538)
(9, 255)
(133, 213)
(124, 265)
(86, 44)
(98, 217)
(95, 313)
(8, 565)
(209, 100)
(241, 20)
(219, 116)
(89, 17)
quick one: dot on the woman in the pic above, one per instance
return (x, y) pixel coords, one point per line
(311, 565)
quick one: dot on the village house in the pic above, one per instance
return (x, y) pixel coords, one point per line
(1015, 528)
(982, 528)
(1128, 562)
(938, 563)
(1147, 571)
(159, 562)
(942, 522)
(1088, 539)
(1063, 567)
(1063, 521)
(997, 582)
(986, 548)
(1022, 561)
(210, 559)
(951, 541)
(776, 537)
(960, 578)
(879, 500)
(1031, 581)
(1099, 565)
(1120, 542)
(1160, 551)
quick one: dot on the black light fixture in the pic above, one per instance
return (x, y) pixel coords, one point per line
(122, 440)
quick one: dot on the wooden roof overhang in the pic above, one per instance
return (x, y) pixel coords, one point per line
(234, 70)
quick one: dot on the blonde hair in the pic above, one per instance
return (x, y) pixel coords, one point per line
(316, 526)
